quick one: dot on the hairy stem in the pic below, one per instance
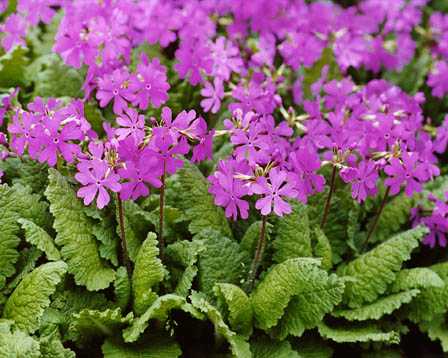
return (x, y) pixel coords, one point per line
(261, 244)
(161, 215)
(330, 195)
(124, 246)
(377, 217)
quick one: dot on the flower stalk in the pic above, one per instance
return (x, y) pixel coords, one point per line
(124, 246)
(162, 214)
(377, 217)
(330, 195)
(261, 244)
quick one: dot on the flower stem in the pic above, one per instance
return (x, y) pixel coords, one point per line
(330, 195)
(261, 244)
(124, 246)
(377, 218)
(162, 215)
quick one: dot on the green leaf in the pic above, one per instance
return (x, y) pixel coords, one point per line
(134, 235)
(358, 333)
(38, 237)
(15, 343)
(52, 347)
(437, 330)
(66, 303)
(122, 286)
(413, 75)
(186, 253)
(12, 68)
(74, 233)
(240, 348)
(29, 300)
(52, 78)
(148, 272)
(322, 248)
(376, 310)
(376, 269)
(263, 347)
(92, 324)
(293, 238)
(16, 202)
(26, 172)
(419, 277)
(153, 348)
(222, 261)
(394, 216)
(296, 294)
(159, 310)
(27, 263)
(197, 203)
(238, 305)
(433, 301)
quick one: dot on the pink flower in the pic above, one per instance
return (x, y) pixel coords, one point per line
(214, 94)
(151, 84)
(96, 178)
(273, 190)
(115, 86)
(132, 124)
(408, 171)
(363, 180)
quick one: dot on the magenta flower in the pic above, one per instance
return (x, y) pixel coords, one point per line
(214, 94)
(116, 86)
(273, 191)
(14, 31)
(438, 79)
(194, 58)
(228, 190)
(151, 84)
(38, 10)
(23, 133)
(146, 169)
(204, 149)
(407, 171)
(304, 166)
(95, 179)
(226, 59)
(132, 124)
(363, 180)
(169, 148)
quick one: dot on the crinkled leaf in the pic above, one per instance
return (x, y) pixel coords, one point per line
(322, 248)
(27, 263)
(376, 269)
(437, 330)
(221, 261)
(38, 237)
(148, 272)
(263, 347)
(52, 347)
(29, 300)
(433, 301)
(186, 254)
(122, 288)
(16, 343)
(12, 67)
(383, 306)
(74, 235)
(240, 348)
(159, 310)
(419, 277)
(154, 347)
(238, 306)
(358, 333)
(293, 235)
(197, 203)
(297, 290)
(91, 324)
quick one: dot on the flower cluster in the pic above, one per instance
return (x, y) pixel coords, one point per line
(134, 155)
(438, 76)
(436, 221)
